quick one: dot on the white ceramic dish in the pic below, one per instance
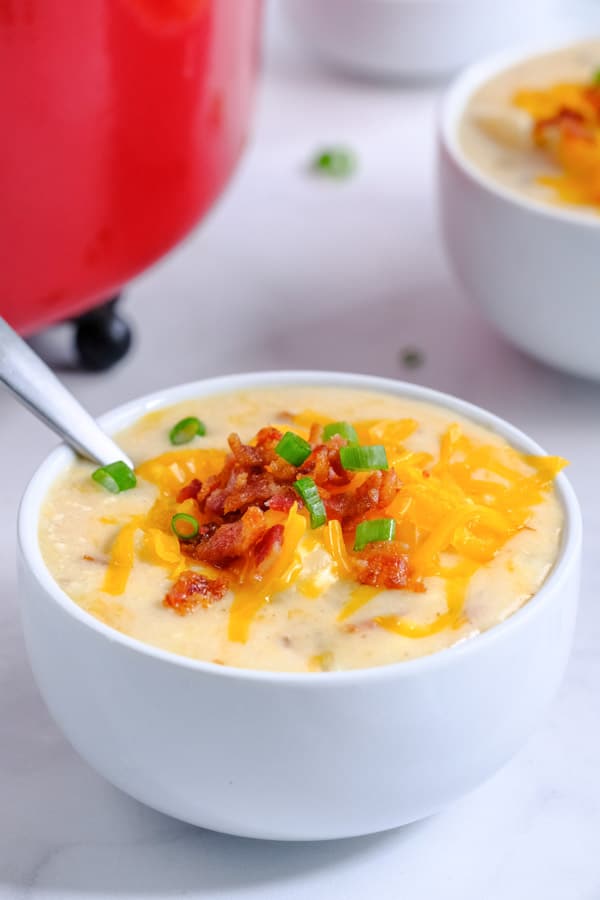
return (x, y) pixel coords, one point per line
(409, 38)
(295, 756)
(532, 267)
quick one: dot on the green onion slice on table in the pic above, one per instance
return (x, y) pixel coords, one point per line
(334, 162)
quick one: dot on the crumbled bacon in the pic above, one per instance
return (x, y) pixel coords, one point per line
(282, 471)
(317, 465)
(376, 492)
(255, 479)
(190, 491)
(285, 415)
(193, 589)
(324, 464)
(567, 121)
(259, 455)
(228, 542)
(268, 547)
(248, 490)
(315, 435)
(592, 95)
(384, 565)
(359, 627)
(284, 499)
(213, 482)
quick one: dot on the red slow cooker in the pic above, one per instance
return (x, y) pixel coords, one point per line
(122, 121)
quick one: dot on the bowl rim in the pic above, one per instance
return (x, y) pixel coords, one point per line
(453, 106)
(128, 413)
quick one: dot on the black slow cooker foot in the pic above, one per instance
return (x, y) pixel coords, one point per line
(102, 337)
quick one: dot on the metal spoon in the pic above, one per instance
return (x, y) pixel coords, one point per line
(38, 388)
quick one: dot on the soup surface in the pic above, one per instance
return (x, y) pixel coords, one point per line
(443, 537)
(535, 127)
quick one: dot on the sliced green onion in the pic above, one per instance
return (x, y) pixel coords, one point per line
(184, 526)
(312, 500)
(374, 530)
(185, 430)
(115, 477)
(344, 429)
(335, 162)
(363, 459)
(596, 77)
(412, 357)
(293, 448)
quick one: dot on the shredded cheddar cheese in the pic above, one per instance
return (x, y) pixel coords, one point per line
(174, 469)
(122, 555)
(286, 568)
(359, 597)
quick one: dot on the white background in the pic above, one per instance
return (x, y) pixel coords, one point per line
(292, 272)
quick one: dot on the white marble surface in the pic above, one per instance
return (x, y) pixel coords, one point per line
(290, 272)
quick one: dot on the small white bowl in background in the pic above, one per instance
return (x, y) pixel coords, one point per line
(532, 267)
(410, 38)
(285, 755)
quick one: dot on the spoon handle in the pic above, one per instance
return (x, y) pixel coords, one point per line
(38, 388)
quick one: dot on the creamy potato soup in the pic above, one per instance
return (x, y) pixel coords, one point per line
(304, 529)
(535, 128)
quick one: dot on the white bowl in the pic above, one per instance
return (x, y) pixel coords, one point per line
(532, 267)
(287, 755)
(409, 38)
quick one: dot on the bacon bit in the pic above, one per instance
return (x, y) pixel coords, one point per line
(324, 464)
(566, 121)
(325, 468)
(284, 499)
(376, 492)
(216, 481)
(282, 470)
(228, 542)
(285, 416)
(258, 456)
(315, 435)
(383, 565)
(359, 627)
(193, 589)
(592, 95)
(268, 547)
(249, 490)
(317, 465)
(190, 491)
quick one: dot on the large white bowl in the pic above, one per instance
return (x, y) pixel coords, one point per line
(295, 756)
(410, 38)
(532, 267)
